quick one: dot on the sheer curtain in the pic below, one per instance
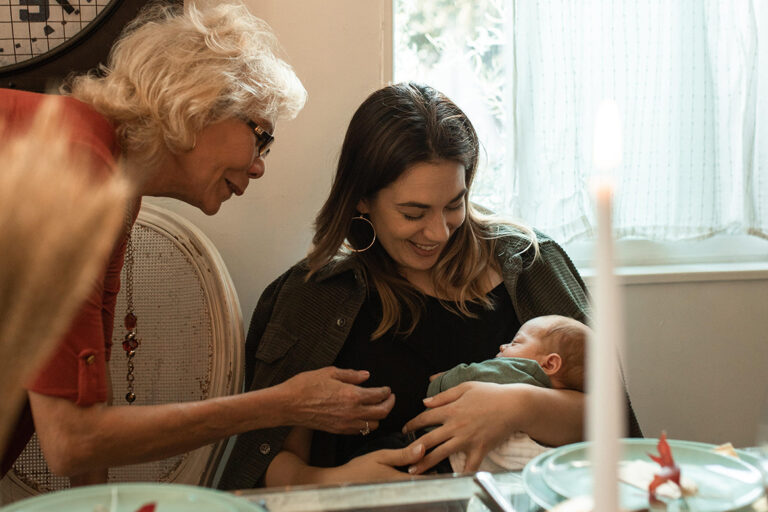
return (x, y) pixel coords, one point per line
(691, 81)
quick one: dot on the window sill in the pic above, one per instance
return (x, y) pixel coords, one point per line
(684, 273)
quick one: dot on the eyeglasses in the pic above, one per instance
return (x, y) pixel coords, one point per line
(264, 139)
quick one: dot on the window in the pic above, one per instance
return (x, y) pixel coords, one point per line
(691, 81)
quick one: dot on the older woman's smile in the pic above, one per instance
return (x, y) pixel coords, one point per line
(234, 188)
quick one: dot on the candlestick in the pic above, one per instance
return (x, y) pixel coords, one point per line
(605, 407)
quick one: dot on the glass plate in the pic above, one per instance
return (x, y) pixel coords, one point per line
(129, 497)
(535, 485)
(724, 483)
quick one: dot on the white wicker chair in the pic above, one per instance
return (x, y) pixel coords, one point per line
(190, 324)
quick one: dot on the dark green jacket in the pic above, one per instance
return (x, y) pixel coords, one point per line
(301, 325)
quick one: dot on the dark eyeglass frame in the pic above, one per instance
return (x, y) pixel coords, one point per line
(264, 139)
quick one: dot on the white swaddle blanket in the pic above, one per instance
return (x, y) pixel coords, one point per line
(512, 455)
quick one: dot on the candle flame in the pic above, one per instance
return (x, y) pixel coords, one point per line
(607, 141)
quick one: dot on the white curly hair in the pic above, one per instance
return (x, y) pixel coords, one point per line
(174, 71)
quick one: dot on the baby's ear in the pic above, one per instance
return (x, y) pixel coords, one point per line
(551, 364)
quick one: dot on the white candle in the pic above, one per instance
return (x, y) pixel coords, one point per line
(605, 406)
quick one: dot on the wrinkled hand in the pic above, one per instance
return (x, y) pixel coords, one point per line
(329, 399)
(380, 465)
(473, 417)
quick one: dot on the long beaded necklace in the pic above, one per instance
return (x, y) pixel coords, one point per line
(130, 342)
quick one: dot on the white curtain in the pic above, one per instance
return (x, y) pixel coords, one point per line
(690, 78)
(692, 87)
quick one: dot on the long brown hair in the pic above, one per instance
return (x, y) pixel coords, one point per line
(393, 129)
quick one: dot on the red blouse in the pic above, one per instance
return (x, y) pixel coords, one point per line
(72, 372)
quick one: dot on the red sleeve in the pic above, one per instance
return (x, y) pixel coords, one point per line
(77, 370)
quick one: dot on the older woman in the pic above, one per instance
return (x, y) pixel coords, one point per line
(407, 279)
(187, 105)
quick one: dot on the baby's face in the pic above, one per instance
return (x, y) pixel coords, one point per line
(526, 343)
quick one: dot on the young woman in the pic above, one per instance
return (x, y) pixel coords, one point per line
(407, 278)
(187, 103)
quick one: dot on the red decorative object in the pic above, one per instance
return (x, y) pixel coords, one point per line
(130, 321)
(149, 507)
(669, 470)
(130, 343)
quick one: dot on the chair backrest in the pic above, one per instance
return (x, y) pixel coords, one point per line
(191, 331)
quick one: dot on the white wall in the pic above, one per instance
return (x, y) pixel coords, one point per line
(696, 355)
(697, 351)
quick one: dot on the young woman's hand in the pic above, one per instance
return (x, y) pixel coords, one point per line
(330, 399)
(476, 417)
(472, 417)
(380, 465)
(291, 465)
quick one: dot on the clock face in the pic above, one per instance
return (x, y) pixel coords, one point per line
(33, 30)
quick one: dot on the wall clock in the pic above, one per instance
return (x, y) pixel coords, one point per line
(42, 41)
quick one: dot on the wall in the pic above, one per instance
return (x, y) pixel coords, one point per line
(696, 354)
(696, 350)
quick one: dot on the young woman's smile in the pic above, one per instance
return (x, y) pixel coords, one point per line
(425, 250)
(416, 215)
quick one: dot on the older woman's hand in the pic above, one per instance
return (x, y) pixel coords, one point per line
(330, 399)
(473, 417)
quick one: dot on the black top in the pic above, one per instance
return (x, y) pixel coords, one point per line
(441, 340)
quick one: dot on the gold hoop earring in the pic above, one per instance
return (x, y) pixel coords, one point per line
(373, 230)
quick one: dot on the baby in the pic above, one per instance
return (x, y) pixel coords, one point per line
(547, 351)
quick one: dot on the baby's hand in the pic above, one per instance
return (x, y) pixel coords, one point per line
(433, 377)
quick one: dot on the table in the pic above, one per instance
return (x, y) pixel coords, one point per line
(440, 493)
